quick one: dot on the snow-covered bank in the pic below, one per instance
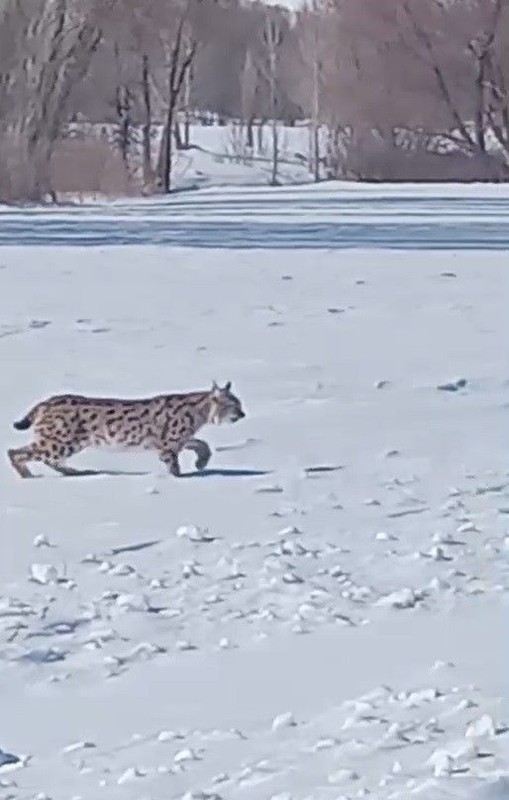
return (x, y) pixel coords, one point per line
(330, 215)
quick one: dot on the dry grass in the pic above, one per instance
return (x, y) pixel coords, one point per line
(90, 167)
(15, 171)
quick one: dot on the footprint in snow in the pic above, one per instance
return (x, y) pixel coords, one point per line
(453, 386)
(8, 759)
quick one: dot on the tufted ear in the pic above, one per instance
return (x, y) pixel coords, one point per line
(215, 389)
(228, 386)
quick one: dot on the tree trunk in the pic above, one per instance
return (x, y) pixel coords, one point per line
(148, 174)
(259, 137)
(272, 41)
(39, 158)
(187, 108)
(333, 154)
(316, 118)
(249, 134)
(124, 123)
(179, 142)
(122, 109)
(275, 154)
(275, 143)
(480, 119)
(167, 149)
(316, 153)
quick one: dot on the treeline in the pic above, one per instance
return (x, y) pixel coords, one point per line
(391, 90)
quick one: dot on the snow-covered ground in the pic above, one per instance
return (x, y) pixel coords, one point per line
(218, 156)
(323, 613)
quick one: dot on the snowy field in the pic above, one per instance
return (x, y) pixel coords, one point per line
(322, 614)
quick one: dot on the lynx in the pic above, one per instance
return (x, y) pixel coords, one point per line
(67, 424)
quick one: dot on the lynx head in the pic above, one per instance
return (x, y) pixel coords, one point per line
(224, 406)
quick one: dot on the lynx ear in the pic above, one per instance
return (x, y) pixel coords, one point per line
(214, 386)
(228, 386)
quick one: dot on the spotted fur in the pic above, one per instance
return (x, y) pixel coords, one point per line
(67, 424)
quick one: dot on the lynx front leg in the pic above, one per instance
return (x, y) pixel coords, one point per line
(171, 460)
(202, 450)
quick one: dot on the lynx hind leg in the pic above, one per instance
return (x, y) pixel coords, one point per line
(56, 454)
(202, 450)
(50, 453)
(22, 456)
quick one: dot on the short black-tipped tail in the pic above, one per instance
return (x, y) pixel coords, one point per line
(23, 424)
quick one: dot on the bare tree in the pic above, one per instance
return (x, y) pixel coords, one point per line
(249, 88)
(123, 110)
(135, 35)
(53, 50)
(180, 44)
(313, 48)
(148, 173)
(495, 76)
(186, 106)
(269, 66)
(394, 89)
(404, 68)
